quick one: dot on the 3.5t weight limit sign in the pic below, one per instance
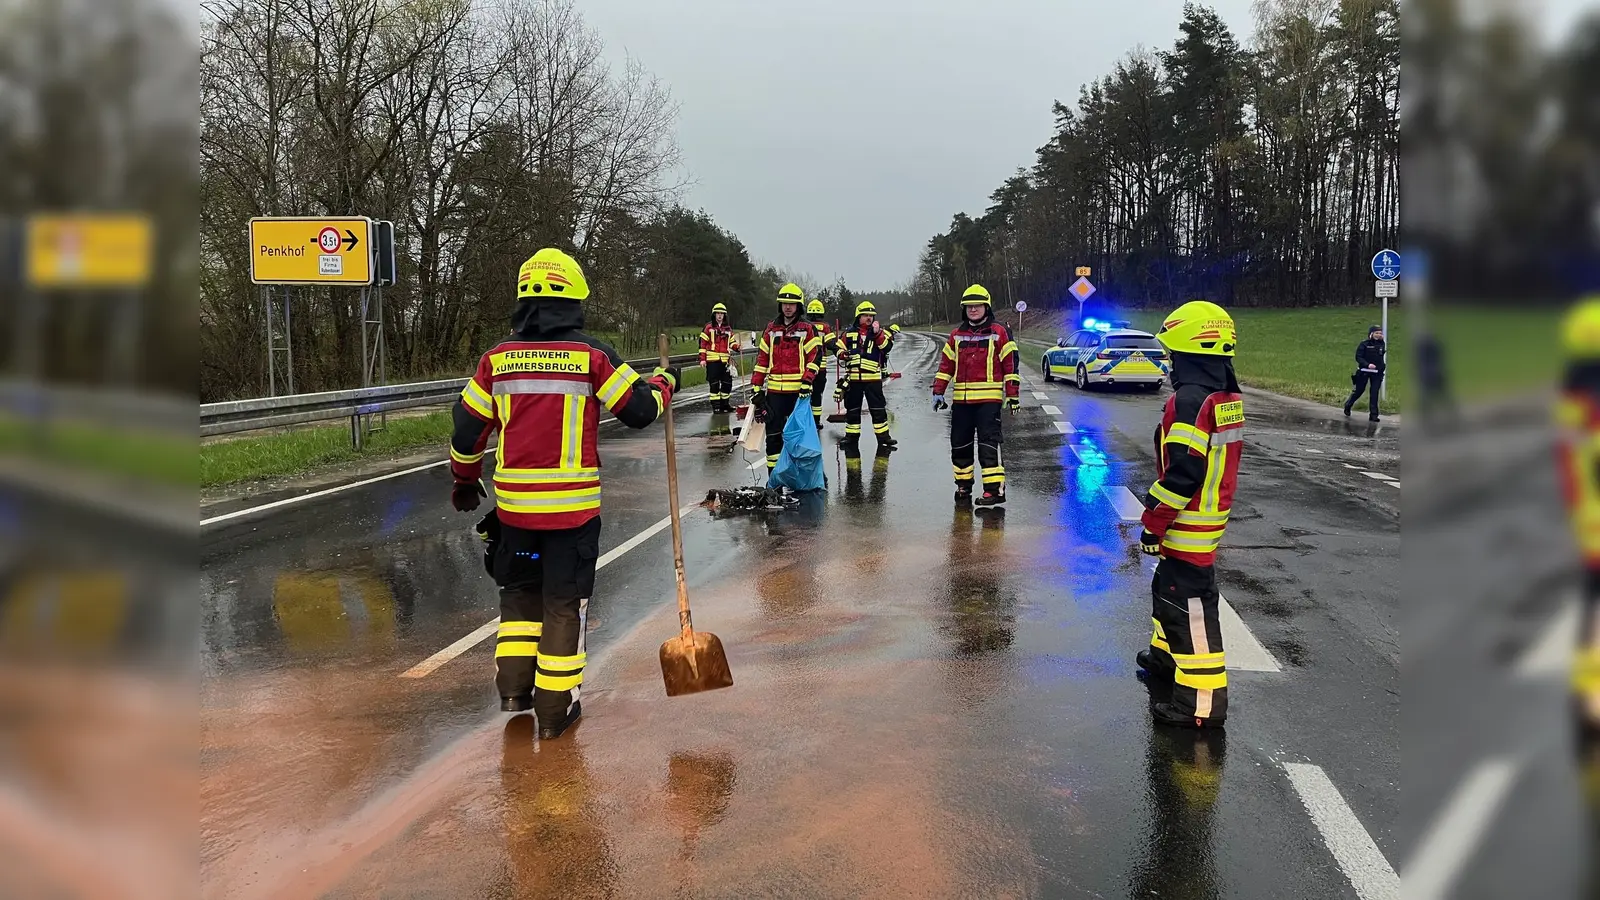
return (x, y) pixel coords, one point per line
(311, 251)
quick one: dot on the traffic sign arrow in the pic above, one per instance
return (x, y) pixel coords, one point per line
(350, 240)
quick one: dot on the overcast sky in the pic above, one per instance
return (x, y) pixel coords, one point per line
(836, 136)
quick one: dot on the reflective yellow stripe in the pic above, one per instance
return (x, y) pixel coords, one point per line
(477, 399)
(1200, 660)
(1210, 493)
(465, 459)
(1191, 517)
(1189, 436)
(1586, 671)
(516, 648)
(1167, 496)
(617, 386)
(1192, 542)
(1158, 636)
(508, 629)
(559, 673)
(949, 353)
(572, 433)
(1009, 348)
(1013, 379)
(1201, 682)
(545, 476)
(581, 493)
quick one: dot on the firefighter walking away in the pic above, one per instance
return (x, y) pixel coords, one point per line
(862, 349)
(786, 366)
(1186, 513)
(541, 391)
(717, 346)
(1578, 414)
(978, 372)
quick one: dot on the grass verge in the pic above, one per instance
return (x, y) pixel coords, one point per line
(146, 455)
(287, 453)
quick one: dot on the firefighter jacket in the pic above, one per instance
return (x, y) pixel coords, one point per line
(787, 357)
(1578, 452)
(863, 351)
(1198, 444)
(830, 341)
(979, 364)
(716, 343)
(542, 391)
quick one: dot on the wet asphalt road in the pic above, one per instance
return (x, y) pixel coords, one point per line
(928, 701)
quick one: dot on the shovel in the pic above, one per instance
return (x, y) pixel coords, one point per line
(837, 416)
(694, 661)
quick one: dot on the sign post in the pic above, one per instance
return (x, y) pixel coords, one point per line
(1022, 307)
(1386, 269)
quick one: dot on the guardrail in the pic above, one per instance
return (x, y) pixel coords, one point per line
(236, 416)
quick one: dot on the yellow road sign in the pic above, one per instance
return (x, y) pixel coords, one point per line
(88, 250)
(311, 250)
(1083, 272)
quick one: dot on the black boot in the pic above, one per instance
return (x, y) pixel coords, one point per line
(522, 703)
(1150, 668)
(964, 493)
(555, 729)
(887, 443)
(1347, 404)
(1164, 714)
(991, 498)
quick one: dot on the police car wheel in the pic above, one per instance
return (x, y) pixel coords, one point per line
(1045, 365)
(1083, 378)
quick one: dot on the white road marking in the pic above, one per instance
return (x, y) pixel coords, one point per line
(1348, 466)
(1244, 652)
(1040, 395)
(432, 663)
(1311, 450)
(1457, 829)
(1063, 427)
(1393, 484)
(1551, 655)
(1128, 507)
(758, 463)
(1360, 859)
(287, 501)
(1378, 475)
(1051, 410)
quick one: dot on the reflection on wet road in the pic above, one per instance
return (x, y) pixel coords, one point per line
(929, 700)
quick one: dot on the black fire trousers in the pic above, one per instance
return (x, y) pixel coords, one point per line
(977, 424)
(1188, 637)
(545, 578)
(779, 406)
(870, 393)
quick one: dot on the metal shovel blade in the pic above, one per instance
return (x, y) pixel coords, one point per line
(694, 665)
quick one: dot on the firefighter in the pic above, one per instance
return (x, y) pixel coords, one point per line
(815, 313)
(542, 390)
(1578, 413)
(861, 349)
(718, 343)
(980, 362)
(786, 366)
(1186, 513)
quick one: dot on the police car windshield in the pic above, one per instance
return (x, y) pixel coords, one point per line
(1131, 342)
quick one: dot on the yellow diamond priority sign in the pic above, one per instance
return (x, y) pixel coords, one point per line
(1082, 289)
(311, 250)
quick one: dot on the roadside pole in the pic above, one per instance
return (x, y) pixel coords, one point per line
(1386, 271)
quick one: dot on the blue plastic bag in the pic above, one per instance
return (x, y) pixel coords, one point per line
(800, 464)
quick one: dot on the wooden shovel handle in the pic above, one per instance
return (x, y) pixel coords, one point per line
(672, 495)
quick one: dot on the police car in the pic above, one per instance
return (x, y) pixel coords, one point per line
(1107, 353)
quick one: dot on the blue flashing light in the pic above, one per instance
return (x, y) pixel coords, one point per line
(1102, 327)
(1089, 322)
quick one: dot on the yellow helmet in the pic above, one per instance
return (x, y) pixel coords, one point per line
(815, 308)
(719, 308)
(975, 295)
(791, 293)
(551, 273)
(1580, 330)
(895, 328)
(1199, 326)
(865, 308)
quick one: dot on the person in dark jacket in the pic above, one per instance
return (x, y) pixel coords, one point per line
(1369, 372)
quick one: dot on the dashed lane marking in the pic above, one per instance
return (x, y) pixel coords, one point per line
(1378, 475)
(1128, 507)
(432, 663)
(1348, 466)
(1051, 410)
(1244, 652)
(1063, 427)
(1040, 395)
(1551, 655)
(1352, 847)
(1458, 829)
(1311, 450)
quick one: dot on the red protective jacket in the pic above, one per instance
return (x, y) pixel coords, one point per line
(981, 362)
(1198, 444)
(786, 359)
(544, 398)
(716, 343)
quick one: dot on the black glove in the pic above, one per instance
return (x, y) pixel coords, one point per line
(1013, 403)
(1149, 543)
(670, 373)
(466, 495)
(758, 402)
